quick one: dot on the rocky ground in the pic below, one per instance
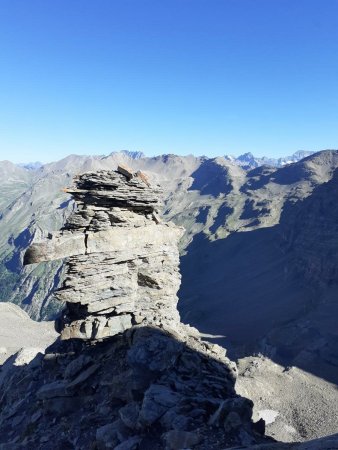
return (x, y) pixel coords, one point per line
(19, 333)
(147, 389)
(296, 405)
(326, 443)
(143, 389)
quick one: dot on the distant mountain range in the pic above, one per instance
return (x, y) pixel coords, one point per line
(247, 160)
(31, 165)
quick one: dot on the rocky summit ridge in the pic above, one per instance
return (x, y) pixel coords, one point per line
(125, 373)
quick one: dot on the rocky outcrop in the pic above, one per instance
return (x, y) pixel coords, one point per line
(126, 374)
(122, 266)
(145, 388)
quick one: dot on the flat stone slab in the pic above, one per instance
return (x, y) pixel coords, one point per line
(127, 243)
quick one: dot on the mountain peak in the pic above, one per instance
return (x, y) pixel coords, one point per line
(31, 165)
(246, 155)
(249, 161)
(130, 154)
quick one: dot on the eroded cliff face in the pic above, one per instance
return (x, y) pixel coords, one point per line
(309, 231)
(126, 373)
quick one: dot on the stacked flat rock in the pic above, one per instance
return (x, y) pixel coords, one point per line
(122, 266)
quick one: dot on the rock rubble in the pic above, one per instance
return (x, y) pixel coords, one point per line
(141, 389)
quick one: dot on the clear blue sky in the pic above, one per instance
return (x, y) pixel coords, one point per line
(167, 76)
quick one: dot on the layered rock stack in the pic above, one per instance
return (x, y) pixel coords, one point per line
(122, 266)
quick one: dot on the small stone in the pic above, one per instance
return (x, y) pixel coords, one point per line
(74, 367)
(232, 421)
(129, 415)
(17, 420)
(36, 416)
(157, 400)
(106, 436)
(83, 376)
(156, 355)
(142, 176)
(125, 170)
(111, 434)
(138, 319)
(129, 444)
(172, 420)
(178, 440)
(51, 390)
(119, 324)
(122, 431)
(104, 410)
(156, 218)
(13, 409)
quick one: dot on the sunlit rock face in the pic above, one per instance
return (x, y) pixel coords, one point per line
(122, 266)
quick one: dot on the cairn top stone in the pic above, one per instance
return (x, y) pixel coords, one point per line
(117, 188)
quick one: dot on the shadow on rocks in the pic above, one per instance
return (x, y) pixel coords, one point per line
(271, 290)
(143, 389)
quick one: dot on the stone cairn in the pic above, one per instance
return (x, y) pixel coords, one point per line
(122, 266)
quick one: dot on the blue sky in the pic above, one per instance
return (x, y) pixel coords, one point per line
(167, 76)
